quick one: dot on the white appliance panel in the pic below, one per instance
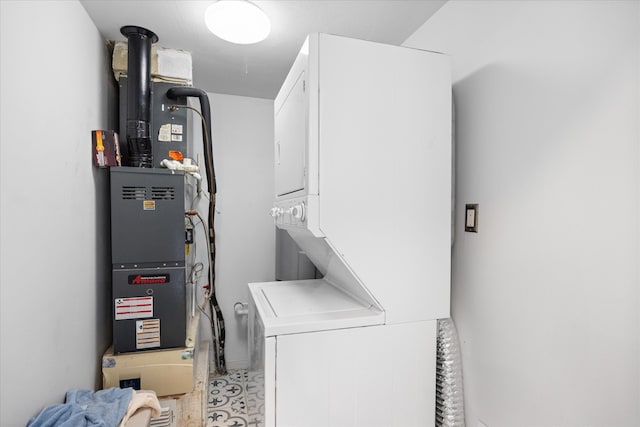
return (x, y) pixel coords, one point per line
(378, 376)
(313, 297)
(261, 374)
(385, 171)
(299, 306)
(333, 268)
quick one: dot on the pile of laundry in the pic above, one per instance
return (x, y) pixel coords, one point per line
(104, 408)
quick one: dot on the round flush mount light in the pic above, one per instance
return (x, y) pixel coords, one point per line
(237, 21)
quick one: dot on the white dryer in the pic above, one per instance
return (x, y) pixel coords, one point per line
(363, 184)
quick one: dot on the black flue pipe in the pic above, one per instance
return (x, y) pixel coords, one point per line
(139, 95)
(184, 92)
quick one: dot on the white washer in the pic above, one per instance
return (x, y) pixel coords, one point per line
(327, 360)
(363, 184)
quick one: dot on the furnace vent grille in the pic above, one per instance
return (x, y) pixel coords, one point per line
(163, 193)
(133, 193)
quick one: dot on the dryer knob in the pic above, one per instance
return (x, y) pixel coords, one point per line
(298, 211)
(275, 212)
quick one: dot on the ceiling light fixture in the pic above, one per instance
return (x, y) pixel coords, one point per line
(237, 21)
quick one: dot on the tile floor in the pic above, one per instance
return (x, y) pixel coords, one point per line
(235, 400)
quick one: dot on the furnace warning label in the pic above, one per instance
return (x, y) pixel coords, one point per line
(164, 133)
(134, 308)
(147, 333)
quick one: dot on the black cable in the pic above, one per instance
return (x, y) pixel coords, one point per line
(205, 114)
(192, 92)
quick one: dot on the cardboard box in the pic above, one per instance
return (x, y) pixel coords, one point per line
(168, 65)
(106, 148)
(167, 372)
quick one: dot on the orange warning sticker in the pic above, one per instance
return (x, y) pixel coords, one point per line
(149, 205)
(176, 155)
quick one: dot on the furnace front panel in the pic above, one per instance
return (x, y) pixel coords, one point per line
(148, 256)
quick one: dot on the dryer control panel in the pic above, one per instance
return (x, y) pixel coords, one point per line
(298, 213)
(291, 212)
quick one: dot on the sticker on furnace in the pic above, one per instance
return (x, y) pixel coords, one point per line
(134, 308)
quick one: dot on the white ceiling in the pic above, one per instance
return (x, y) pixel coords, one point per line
(258, 70)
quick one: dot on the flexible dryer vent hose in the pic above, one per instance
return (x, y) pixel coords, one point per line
(449, 391)
(217, 327)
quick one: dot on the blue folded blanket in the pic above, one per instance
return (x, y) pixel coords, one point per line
(85, 408)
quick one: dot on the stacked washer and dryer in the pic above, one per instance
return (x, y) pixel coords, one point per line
(363, 185)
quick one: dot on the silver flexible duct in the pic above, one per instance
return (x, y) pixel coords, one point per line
(449, 394)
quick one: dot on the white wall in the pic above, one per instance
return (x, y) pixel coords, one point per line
(53, 213)
(546, 295)
(242, 138)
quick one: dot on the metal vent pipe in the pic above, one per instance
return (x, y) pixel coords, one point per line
(449, 388)
(139, 94)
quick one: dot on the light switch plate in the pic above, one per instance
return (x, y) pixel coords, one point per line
(471, 218)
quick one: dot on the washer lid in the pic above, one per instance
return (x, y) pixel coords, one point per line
(307, 306)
